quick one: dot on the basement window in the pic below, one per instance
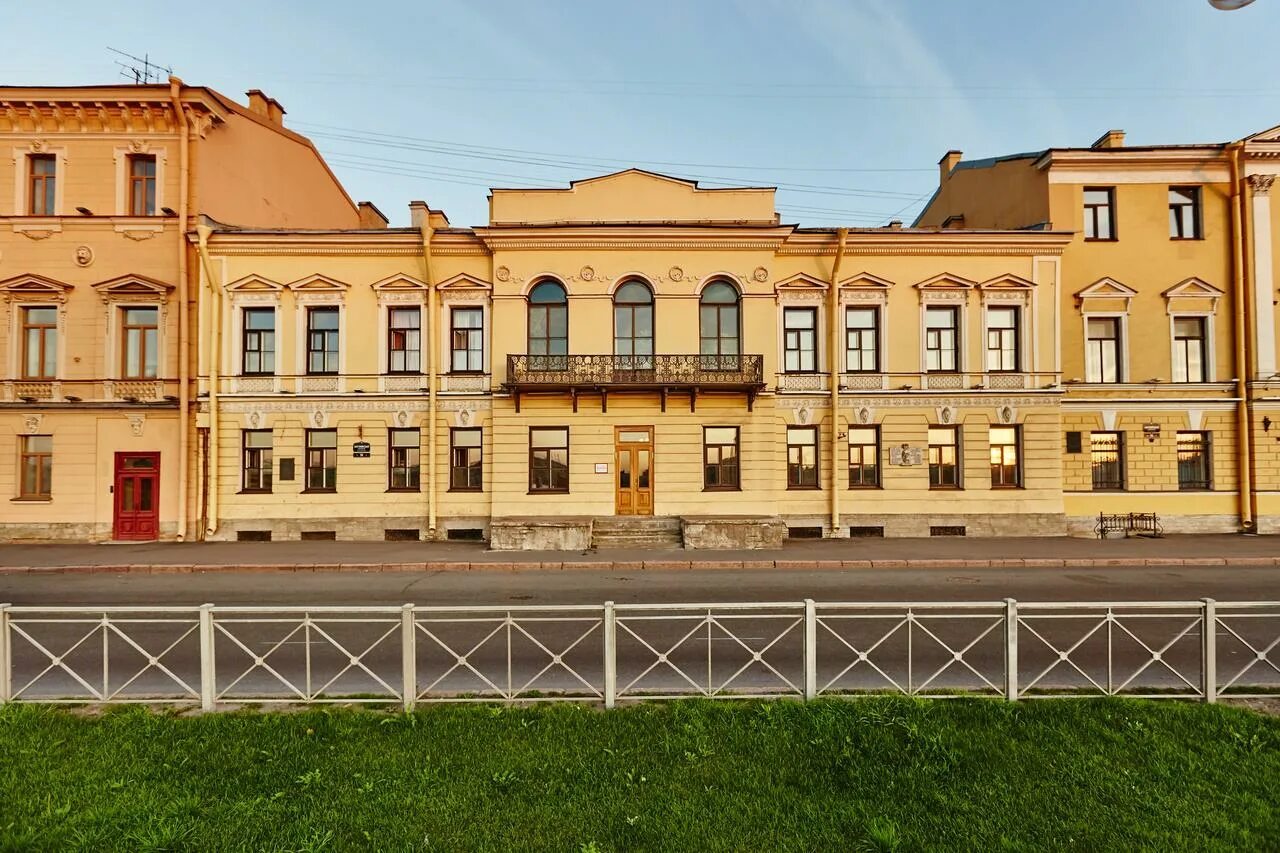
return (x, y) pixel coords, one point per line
(253, 535)
(804, 532)
(401, 534)
(319, 535)
(866, 532)
(947, 530)
(465, 534)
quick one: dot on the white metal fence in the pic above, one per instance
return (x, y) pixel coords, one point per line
(214, 655)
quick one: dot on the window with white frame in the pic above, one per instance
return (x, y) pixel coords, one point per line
(862, 340)
(942, 339)
(800, 340)
(140, 342)
(1190, 353)
(466, 336)
(1003, 338)
(1103, 350)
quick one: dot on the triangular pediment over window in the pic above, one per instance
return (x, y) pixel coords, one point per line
(464, 281)
(34, 287)
(1107, 288)
(866, 279)
(254, 284)
(800, 281)
(1193, 288)
(399, 283)
(318, 284)
(1008, 281)
(133, 287)
(946, 281)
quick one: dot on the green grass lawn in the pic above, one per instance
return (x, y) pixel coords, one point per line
(874, 774)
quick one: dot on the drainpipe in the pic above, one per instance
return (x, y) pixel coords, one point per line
(433, 380)
(1239, 293)
(215, 353)
(184, 309)
(833, 351)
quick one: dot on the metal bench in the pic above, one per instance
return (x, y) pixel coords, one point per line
(1131, 524)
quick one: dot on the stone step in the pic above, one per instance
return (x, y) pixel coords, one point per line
(636, 532)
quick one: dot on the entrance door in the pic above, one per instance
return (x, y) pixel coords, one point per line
(137, 496)
(633, 454)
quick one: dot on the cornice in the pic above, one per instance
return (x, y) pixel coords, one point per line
(1105, 158)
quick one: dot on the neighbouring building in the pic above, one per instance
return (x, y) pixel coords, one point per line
(98, 186)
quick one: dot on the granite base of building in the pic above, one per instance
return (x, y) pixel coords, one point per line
(1086, 525)
(540, 534)
(920, 525)
(88, 531)
(742, 533)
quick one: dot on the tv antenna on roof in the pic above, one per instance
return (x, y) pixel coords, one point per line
(140, 69)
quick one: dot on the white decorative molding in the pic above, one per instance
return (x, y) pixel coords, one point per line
(946, 415)
(137, 423)
(1261, 184)
(1195, 419)
(83, 256)
(31, 423)
(310, 407)
(1108, 419)
(863, 416)
(1006, 415)
(917, 399)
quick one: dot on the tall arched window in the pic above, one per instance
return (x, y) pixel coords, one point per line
(548, 326)
(720, 327)
(633, 326)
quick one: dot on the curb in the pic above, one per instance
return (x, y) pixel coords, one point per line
(658, 565)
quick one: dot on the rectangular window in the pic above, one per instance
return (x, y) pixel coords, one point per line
(141, 341)
(467, 336)
(322, 340)
(1003, 339)
(322, 460)
(1100, 213)
(1106, 456)
(258, 342)
(800, 340)
(42, 182)
(404, 340)
(142, 185)
(548, 459)
(1006, 457)
(1195, 470)
(944, 467)
(39, 342)
(256, 460)
(862, 340)
(1184, 213)
(1189, 362)
(1102, 349)
(404, 460)
(802, 457)
(466, 460)
(720, 458)
(864, 457)
(35, 467)
(941, 339)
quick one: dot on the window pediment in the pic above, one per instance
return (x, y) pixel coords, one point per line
(800, 281)
(318, 283)
(254, 283)
(945, 281)
(866, 280)
(398, 283)
(133, 288)
(34, 287)
(1106, 289)
(464, 281)
(1193, 288)
(1008, 281)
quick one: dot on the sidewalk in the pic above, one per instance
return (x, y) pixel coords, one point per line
(953, 553)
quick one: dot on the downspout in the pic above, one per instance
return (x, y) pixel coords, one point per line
(184, 308)
(432, 379)
(1239, 293)
(833, 348)
(214, 360)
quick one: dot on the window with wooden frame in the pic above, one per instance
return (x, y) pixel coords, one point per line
(864, 457)
(1195, 468)
(942, 340)
(548, 326)
(404, 340)
(466, 334)
(140, 342)
(1103, 362)
(404, 460)
(322, 460)
(1184, 213)
(800, 340)
(721, 468)
(1006, 457)
(548, 459)
(1106, 459)
(862, 340)
(42, 181)
(944, 457)
(322, 341)
(35, 467)
(142, 185)
(720, 327)
(1100, 213)
(466, 459)
(1190, 362)
(258, 341)
(39, 336)
(256, 460)
(802, 457)
(633, 326)
(1003, 339)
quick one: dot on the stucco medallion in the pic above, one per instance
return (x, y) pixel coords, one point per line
(84, 256)
(587, 273)
(675, 274)
(502, 274)
(760, 274)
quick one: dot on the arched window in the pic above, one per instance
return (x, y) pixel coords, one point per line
(633, 326)
(720, 327)
(548, 326)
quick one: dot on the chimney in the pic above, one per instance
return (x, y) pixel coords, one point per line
(371, 217)
(1110, 139)
(419, 212)
(895, 225)
(948, 162)
(268, 108)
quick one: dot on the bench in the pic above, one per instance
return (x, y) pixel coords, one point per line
(1130, 524)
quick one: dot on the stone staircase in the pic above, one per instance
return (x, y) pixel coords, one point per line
(636, 531)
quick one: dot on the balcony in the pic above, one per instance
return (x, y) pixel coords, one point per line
(664, 374)
(70, 392)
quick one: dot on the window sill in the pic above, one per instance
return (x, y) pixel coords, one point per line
(866, 488)
(465, 373)
(804, 488)
(1102, 239)
(722, 488)
(1004, 488)
(254, 492)
(32, 499)
(946, 488)
(1185, 239)
(548, 492)
(320, 491)
(407, 490)
(474, 490)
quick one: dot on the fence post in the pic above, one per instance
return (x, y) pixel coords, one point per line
(810, 650)
(6, 659)
(1209, 667)
(1011, 649)
(408, 657)
(208, 683)
(610, 656)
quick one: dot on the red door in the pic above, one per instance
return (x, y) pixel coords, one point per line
(137, 496)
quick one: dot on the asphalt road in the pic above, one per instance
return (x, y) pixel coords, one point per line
(473, 652)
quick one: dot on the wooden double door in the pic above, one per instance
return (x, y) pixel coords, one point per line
(136, 509)
(633, 466)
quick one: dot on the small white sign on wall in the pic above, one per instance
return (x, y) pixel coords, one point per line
(602, 467)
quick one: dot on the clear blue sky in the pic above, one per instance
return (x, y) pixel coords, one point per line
(417, 99)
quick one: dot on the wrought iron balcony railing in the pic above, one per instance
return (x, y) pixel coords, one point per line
(604, 373)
